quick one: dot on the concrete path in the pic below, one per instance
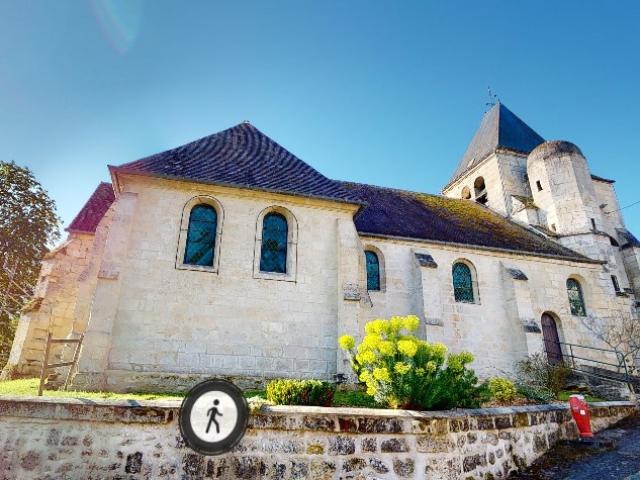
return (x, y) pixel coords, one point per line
(569, 462)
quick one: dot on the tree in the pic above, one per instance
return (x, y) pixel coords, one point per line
(621, 334)
(28, 226)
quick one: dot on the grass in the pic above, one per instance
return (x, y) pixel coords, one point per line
(564, 396)
(29, 386)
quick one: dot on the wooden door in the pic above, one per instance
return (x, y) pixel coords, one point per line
(551, 339)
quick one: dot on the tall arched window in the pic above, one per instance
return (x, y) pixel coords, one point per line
(201, 236)
(373, 270)
(273, 252)
(480, 190)
(576, 300)
(462, 283)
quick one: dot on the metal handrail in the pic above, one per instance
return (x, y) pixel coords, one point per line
(621, 365)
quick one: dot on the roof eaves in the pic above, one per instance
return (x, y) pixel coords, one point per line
(117, 170)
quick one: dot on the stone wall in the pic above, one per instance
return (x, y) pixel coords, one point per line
(76, 439)
(503, 325)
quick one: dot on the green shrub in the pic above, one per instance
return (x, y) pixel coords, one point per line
(300, 392)
(536, 372)
(536, 394)
(403, 371)
(502, 389)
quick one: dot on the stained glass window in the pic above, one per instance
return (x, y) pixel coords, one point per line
(576, 300)
(373, 270)
(462, 283)
(273, 253)
(201, 236)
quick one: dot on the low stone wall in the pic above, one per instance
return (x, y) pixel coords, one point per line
(86, 439)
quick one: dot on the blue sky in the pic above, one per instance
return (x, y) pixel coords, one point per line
(387, 93)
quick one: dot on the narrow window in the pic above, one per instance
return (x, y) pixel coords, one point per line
(273, 251)
(373, 271)
(593, 224)
(480, 191)
(462, 283)
(576, 300)
(553, 227)
(201, 236)
(616, 285)
(539, 185)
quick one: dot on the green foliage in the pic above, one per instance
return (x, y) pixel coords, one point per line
(28, 226)
(300, 392)
(402, 371)
(502, 389)
(535, 394)
(535, 372)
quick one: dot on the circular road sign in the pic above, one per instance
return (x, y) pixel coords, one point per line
(213, 417)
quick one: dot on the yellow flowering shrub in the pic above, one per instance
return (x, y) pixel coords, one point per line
(401, 370)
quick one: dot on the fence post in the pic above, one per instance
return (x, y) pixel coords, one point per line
(45, 360)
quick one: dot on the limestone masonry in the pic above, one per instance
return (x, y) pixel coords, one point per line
(66, 438)
(231, 257)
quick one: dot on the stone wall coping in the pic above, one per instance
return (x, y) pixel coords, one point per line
(269, 417)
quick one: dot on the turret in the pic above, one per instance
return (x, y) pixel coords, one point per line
(562, 189)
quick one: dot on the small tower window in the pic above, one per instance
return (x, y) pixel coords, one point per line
(539, 185)
(593, 224)
(466, 193)
(576, 300)
(616, 285)
(480, 191)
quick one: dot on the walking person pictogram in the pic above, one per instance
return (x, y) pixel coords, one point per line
(212, 412)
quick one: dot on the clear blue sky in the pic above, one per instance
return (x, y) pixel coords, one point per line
(387, 93)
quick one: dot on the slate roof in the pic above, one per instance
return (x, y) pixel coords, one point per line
(241, 156)
(602, 179)
(628, 239)
(499, 128)
(86, 221)
(420, 216)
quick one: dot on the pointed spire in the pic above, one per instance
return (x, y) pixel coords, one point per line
(499, 128)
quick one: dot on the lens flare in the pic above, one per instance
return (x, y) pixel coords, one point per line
(120, 21)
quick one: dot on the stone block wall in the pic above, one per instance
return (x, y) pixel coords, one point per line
(73, 439)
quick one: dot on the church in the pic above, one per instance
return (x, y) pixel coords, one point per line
(231, 257)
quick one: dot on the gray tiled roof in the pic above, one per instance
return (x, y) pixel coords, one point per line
(241, 156)
(87, 219)
(399, 213)
(500, 128)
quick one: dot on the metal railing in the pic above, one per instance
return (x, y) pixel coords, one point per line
(573, 357)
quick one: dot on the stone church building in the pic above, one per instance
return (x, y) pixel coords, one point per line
(231, 257)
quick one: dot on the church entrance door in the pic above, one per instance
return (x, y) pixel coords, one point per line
(551, 339)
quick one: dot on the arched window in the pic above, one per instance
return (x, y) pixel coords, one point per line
(273, 252)
(466, 193)
(576, 300)
(373, 270)
(462, 283)
(201, 236)
(480, 191)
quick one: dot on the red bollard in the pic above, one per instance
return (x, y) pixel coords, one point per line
(580, 412)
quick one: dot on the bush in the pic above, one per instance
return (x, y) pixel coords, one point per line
(536, 394)
(403, 371)
(502, 389)
(300, 392)
(535, 372)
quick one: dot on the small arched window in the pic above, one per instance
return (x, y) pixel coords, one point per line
(480, 191)
(201, 236)
(273, 252)
(462, 283)
(373, 270)
(576, 300)
(466, 193)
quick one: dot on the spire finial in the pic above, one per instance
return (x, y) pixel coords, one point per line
(493, 98)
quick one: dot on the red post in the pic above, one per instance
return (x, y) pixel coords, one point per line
(580, 412)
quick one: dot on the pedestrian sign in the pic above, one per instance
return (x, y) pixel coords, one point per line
(213, 417)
